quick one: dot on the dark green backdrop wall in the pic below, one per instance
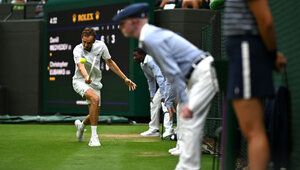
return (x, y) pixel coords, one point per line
(286, 16)
(21, 56)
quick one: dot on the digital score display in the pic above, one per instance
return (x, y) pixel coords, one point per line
(63, 34)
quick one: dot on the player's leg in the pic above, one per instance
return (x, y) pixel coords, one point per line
(250, 117)
(86, 120)
(155, 106)
(81, 127)
(81, 88)
(94, 109)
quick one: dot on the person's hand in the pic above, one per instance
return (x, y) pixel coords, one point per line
(171, 111)
(131, 85)
(186, 112)
(280, 62)
(88, 81)
(164, 2)
(151, 99)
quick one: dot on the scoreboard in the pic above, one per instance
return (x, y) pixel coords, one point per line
(63, 33)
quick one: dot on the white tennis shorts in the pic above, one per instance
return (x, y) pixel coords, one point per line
(81, 88)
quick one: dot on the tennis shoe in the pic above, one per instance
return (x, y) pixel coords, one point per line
(94, 141)
(168, 133)
(176, 152)
(79, 133)
(150, 132)
(172, 149)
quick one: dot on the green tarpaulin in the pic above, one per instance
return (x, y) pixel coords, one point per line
(59, 119)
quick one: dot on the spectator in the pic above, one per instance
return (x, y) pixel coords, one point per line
(165, 4)
(187, 3)
(39, 10)
(195, 4)
(18, 1)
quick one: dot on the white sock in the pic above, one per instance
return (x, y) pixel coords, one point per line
(94, 130)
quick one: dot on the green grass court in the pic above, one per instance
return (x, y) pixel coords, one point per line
(45, 147)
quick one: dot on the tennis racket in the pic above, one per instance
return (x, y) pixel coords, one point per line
(93, 64)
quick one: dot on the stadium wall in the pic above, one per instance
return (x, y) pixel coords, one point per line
(20, 75)
(285, 15)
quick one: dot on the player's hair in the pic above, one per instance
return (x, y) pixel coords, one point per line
(139, 51)
(88, 31)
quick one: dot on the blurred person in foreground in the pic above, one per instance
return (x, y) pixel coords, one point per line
(184, 65)
(252, 51)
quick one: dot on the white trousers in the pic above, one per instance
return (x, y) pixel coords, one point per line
(202, 87)
(155, 112)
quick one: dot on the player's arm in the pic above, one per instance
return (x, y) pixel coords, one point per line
(263, 17)
(114, 67)
(77, 53)
(83, 72)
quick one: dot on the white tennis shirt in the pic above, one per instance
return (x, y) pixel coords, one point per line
(99, 49)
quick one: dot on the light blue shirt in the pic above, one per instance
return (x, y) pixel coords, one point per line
(154, 75)
(172, 53)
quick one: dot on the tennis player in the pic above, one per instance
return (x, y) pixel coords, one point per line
(90, 88)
